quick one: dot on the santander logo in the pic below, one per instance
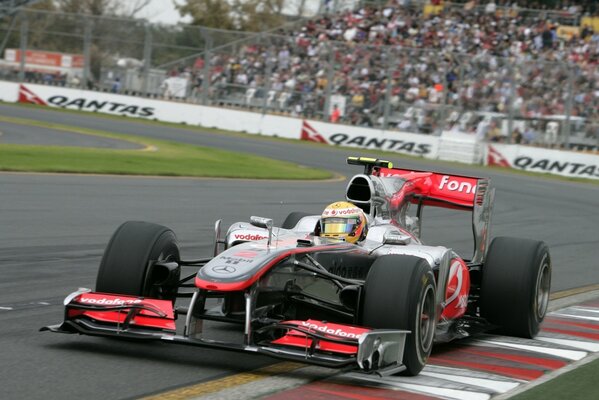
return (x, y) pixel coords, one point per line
(454, 185)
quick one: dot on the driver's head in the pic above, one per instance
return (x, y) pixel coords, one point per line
(344, 221)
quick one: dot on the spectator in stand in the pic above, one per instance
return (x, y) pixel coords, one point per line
(466, 57)
(335, 114)
(116, 85)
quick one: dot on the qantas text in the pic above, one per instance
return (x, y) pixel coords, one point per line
(106, 106)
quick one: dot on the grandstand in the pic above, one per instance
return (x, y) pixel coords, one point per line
(505, 73)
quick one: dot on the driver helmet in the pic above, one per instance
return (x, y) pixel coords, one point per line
(344, 221)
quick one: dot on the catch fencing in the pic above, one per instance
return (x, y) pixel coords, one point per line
(283, 72)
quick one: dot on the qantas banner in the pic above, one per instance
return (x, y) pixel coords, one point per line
(109, 103)
(9, 92)
(160, 110)
(534, 159)
(240, 121)
(368, 138)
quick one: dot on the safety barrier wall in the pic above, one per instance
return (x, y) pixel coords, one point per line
(565, 163)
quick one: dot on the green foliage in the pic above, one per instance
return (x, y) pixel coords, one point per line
(209, 13)
(244, 15)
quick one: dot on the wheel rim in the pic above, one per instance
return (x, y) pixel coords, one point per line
(542, 288)
(426, 321)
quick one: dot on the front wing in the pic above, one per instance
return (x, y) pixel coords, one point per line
(313, 342)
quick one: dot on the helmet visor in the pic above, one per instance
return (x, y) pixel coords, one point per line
(336, 226)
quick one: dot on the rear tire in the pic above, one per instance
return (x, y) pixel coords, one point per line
(516, 281)
(399, 293)
(293, 218)
(124, 268)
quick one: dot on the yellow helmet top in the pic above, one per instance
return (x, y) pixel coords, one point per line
(343, 220)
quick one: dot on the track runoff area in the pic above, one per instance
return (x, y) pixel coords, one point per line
(479, 368)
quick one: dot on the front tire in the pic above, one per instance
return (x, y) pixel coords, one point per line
(399, 293)
(124, 268)
(516, 281)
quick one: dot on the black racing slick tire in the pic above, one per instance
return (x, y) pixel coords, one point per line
(399, 293)
(516, 281)
(293, 218)
(125, 266)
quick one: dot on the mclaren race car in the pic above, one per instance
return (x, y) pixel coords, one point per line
(376, 305)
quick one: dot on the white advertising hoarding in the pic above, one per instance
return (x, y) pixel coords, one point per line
(549, 161)
(9, 92)
(222, 118)
(368, 138)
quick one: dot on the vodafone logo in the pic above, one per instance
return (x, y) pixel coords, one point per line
(108, 302)
(454, 185)
(249, 236)
(345, 211)
(331, 331)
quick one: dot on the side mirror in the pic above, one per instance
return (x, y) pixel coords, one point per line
(396, 238)
(265, 223)
(217, 239)
(260, 222)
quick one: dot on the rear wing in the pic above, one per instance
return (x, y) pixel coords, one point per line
(435, 189)
(441, 190)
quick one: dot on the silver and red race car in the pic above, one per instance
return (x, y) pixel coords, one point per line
(378, 305)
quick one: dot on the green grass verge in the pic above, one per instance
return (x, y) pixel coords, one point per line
(476, 169)
(166, 159)
(578, 384)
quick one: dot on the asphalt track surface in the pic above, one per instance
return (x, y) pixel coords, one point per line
(35, 135)
(53, 229)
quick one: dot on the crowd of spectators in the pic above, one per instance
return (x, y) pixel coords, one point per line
(469, 57)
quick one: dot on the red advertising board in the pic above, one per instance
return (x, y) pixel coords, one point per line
(45, 58)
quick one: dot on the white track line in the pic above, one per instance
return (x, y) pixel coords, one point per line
(556, 314)
(569, 354)
(584, 309)
(588, 346)
(496, 386)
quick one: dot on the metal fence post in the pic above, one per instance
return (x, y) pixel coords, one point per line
(206, 69)
(566, 130)
(461, 80)
(510, 101)
(329, 88)
(388, 88)
(267, 75)
(147, 58)
(443, 117)
(23, 47)
(87, 38)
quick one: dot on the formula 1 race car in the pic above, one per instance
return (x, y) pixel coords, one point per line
(377, 305)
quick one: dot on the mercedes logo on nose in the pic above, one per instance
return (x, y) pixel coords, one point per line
(224, 269)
